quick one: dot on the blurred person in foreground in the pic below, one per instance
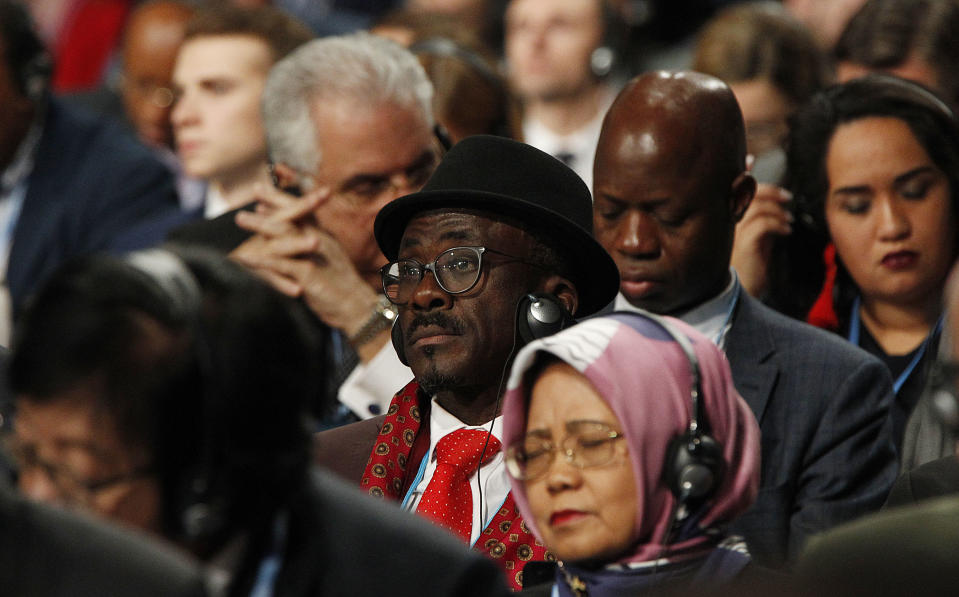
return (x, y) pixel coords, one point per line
(657, 454)
(166, 391)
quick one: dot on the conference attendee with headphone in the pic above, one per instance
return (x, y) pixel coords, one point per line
(629, 451)
(560, 60)
(496, 248)
(167, 390)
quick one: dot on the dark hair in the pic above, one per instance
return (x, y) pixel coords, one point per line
(470, 97)
(929, 118)
(214, 387)
(885, 33)
(760, 40)
(24, 53)
(280, 31)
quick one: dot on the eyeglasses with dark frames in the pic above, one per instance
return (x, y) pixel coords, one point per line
(456, 270)
(587, 444)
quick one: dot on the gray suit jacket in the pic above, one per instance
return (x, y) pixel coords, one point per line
(827, 441)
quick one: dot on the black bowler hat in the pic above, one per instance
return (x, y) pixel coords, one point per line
(505, 177)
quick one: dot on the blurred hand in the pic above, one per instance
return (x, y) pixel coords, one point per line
(767, 217)
(299, 259)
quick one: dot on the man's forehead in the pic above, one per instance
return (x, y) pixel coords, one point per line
(227, 56)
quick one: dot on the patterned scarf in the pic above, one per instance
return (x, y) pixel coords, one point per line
(507, 539)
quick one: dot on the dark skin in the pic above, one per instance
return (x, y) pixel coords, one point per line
(458, 346)
(669, 186)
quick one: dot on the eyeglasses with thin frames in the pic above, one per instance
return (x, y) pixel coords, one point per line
(587, 444)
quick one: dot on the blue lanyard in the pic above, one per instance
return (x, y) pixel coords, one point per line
(721, 337)
(408, 499)
(271, 564)
(855, 331)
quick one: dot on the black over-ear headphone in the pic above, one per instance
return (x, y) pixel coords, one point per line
(694, 460)
(199, 510)
(538, 314)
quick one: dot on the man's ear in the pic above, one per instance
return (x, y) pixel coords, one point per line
(286, 179)
(741, 194)
(564, 290)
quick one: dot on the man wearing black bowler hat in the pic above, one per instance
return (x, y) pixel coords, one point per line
(497, 221)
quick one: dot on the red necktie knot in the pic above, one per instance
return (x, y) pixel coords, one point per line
(448, 499)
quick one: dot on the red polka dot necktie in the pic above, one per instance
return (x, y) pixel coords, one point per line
(448, 500)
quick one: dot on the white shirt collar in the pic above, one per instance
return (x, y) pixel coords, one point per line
(711, 318)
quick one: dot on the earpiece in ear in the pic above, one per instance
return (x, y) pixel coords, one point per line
(693, 466)
(601, 61)
(539, 315)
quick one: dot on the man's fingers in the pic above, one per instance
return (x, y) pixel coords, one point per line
(281, 283)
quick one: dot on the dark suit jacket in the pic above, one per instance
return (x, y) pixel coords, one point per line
(905, 551)
(823, 407)
(49, 553)
(90, 184)
(343, 542)
(935, 479)
(220, 233)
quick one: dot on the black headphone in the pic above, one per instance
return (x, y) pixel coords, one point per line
(199, 510)
(538, 314)
(694, 460)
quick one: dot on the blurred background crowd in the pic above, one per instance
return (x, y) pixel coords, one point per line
(218, 226)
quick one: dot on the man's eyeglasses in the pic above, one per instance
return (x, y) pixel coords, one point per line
(587, 444)
(456, 271)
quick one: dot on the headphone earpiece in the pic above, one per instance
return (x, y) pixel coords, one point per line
(694, 466)
(34, 77)
(198, 508)
(694, 460)
(540, 314)
(603, 59)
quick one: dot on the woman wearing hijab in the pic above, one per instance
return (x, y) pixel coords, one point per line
(652, 464)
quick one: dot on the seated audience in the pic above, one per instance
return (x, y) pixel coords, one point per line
(874, 164)
(72, 184)
(349, 127)
(773, 65)
(657, 454)
(167, 391)
(218, 80)
(666, 210)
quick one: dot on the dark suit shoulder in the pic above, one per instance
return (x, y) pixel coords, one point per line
(220, 233)
(48, 552)
(345, 450)
(353, 544)
(791, 336)
(904, 551)
(935, 479)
